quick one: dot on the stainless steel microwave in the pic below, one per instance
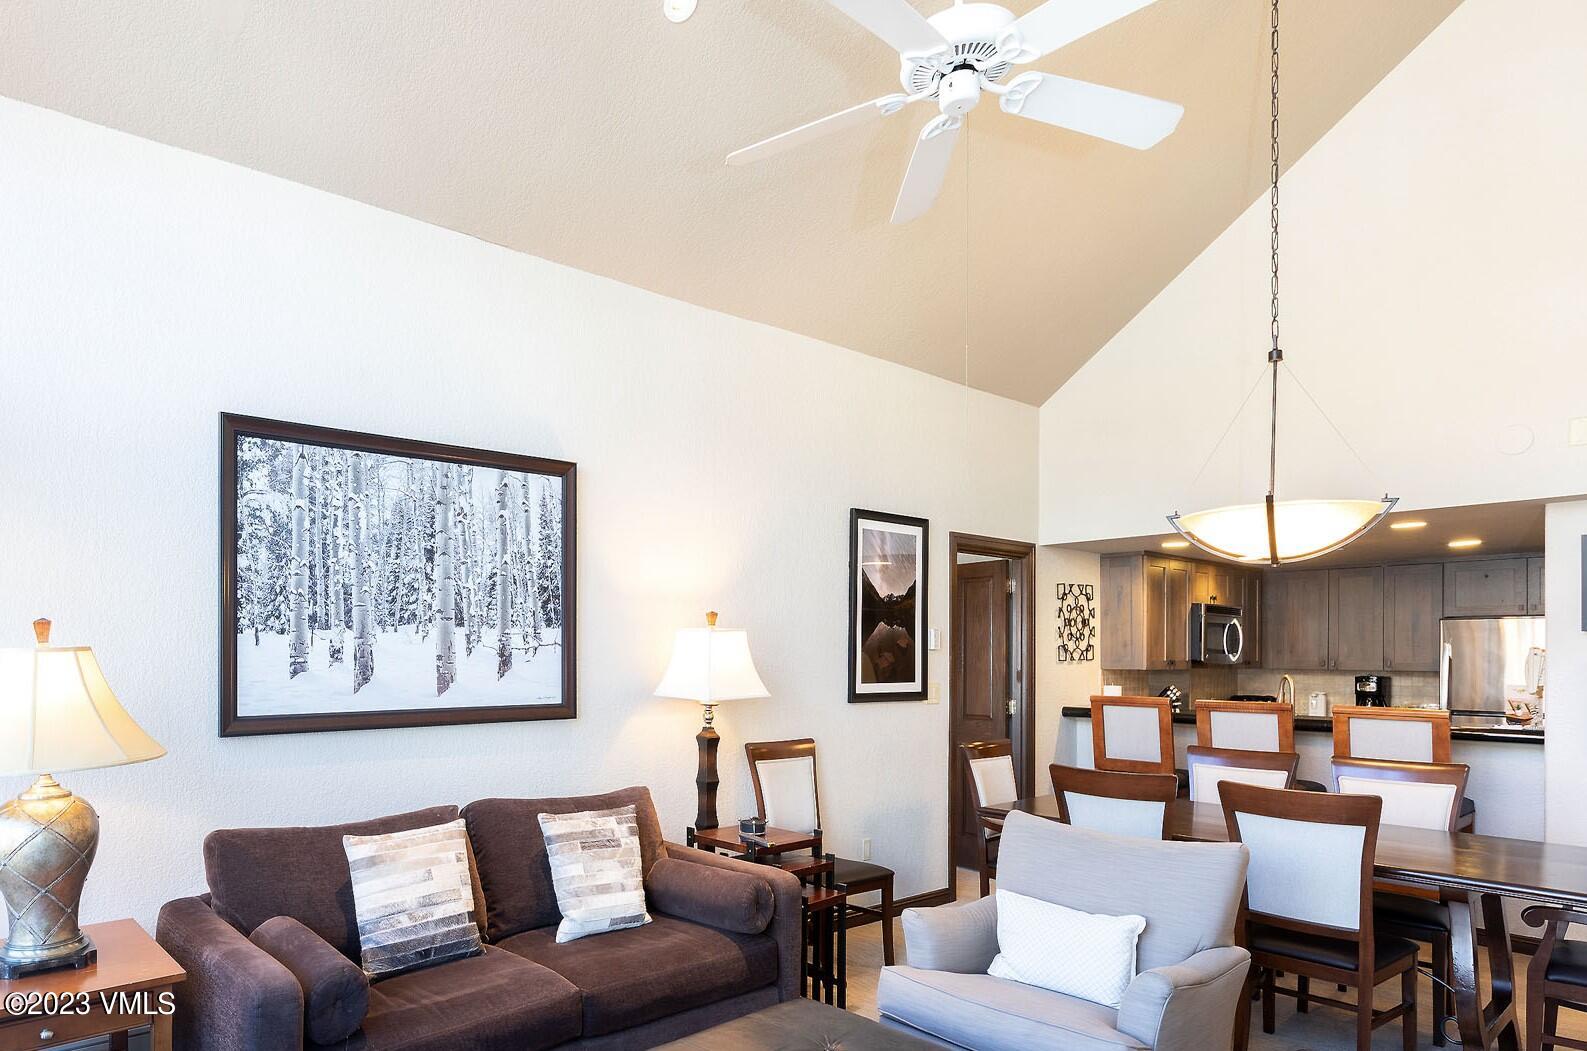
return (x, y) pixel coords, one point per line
(1216, 633)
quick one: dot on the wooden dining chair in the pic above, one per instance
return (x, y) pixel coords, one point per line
(1309, 902)
(989, 778)
(1555, 978)
(1211, 767)
(1409, 735)
(1260, 726)
(787, 796)
(1415, 795)
(1132, 735)
(1108, 801)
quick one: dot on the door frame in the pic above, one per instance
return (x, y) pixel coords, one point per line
(1022, 634)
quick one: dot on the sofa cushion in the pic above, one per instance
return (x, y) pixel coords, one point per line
(413, 897)
(511, 854)
(1065, 950)
(335, 992)
(1080, 869)
(595, 868)
(492, 1002)
(257, 873)
(993, 1014)
(638, 975)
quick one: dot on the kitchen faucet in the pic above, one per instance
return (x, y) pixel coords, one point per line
(1286, 691)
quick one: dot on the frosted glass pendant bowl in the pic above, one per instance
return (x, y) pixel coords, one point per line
(1301, 529)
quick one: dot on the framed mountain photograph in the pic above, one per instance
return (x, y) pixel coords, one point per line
(887, 606)
(369, 582)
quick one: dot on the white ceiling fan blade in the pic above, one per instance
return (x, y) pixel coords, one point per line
(1059, 22)
(928, 166)
(904, 29)
(865, 112)
(1138, 121)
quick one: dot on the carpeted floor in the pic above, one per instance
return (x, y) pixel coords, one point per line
(1323, 1029)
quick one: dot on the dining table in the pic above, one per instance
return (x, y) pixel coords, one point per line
(1472, 874)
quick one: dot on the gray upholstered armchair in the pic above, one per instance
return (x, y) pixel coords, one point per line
(1191, 974)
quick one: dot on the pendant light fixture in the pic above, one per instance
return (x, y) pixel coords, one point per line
(1279, 531)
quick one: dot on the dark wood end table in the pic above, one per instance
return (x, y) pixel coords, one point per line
(129, 985)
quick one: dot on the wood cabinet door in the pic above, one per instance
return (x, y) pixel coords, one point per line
(1219, 585)
(1355, 619)
(1251, 604)
(1494, 587)
(1176, 608)
(1413, 603)
(1534, 586)
(1299, 626)
(1122, 614)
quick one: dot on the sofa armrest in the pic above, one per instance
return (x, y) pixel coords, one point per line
(960, 937)
(787, 918)
(237, 997)
(1187, 1006)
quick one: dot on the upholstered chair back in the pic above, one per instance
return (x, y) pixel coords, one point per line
(1410, 735)
(1311, 855)
(1251, 725)
(784, 776)
(1189, 893)
(1210, 767)
(1416, 795)
(1118, 803)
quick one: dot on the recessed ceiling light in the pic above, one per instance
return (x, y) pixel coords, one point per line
(677, 10)
(1407, 525)
(1468, 542)
(1176, 544)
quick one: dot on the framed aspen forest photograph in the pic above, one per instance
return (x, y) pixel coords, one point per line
(370, 582)
(887, 606)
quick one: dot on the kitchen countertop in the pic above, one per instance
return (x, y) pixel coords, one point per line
(1315, 724)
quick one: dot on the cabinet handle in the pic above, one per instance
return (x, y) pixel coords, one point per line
(46, 1034)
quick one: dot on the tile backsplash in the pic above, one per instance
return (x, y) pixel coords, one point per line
(1405, 688)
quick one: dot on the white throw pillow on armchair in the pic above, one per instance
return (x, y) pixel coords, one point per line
(1080, 954)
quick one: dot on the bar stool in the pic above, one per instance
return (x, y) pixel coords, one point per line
(1134, 735)
(1260, 726)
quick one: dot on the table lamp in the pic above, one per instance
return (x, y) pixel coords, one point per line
(710, 665)
(57, 713)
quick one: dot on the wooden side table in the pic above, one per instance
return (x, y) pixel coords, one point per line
(130, 985)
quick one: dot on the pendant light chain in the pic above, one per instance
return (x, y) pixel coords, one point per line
(1275, 355)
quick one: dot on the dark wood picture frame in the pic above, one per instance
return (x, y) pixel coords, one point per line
(231, 724)
(858, 516)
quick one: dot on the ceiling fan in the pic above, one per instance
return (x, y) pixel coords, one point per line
(957, 55)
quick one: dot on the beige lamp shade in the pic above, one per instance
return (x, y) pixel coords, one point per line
(58, 713)
(711, 665)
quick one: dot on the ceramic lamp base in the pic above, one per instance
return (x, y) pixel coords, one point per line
(48, 838)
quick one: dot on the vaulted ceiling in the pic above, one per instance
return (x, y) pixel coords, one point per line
(592, 133)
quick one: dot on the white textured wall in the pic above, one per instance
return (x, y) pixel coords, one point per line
(147, 289)
(1070, 683)
(1432, 302)
(1566, 697)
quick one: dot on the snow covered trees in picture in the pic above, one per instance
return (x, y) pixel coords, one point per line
(371, 582)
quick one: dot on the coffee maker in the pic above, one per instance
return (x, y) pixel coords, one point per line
(1372, 691)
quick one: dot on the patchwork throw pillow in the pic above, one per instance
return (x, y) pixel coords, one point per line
(596, 870)
(413, 897)
(1080, 954)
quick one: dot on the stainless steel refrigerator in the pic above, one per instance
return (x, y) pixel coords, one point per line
(1484, 657)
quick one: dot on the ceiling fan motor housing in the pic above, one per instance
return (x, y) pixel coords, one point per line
(959, 92)
(971, 31)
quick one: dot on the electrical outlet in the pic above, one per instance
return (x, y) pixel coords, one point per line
(933, 693)
(1578, 431)
(865, 849)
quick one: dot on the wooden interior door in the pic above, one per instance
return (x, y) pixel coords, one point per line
(979, 701)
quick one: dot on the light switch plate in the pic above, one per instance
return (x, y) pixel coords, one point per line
(1578, 431)
(933, 639)
(933, 693)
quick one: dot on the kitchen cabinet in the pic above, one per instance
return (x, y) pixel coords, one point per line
(1413, 604)
(1145, 612)
(1355, 618)
(1296, 610)
(1534, 587)
(1492, 587)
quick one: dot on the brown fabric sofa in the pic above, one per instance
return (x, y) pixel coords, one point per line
(723, 941)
